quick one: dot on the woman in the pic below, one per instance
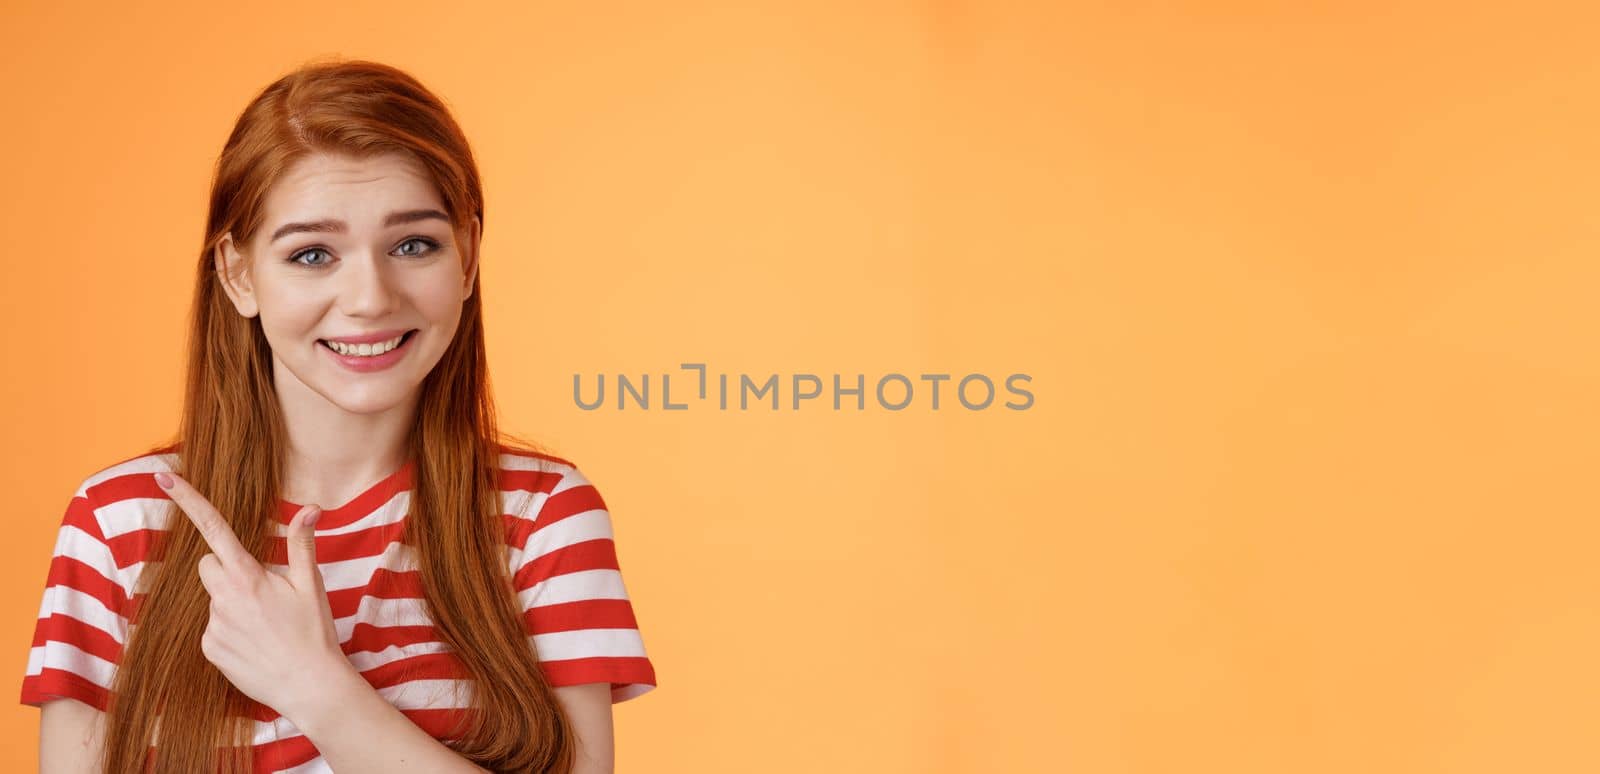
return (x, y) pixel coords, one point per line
(463, 608)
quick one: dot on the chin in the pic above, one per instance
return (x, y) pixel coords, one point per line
(371, 402)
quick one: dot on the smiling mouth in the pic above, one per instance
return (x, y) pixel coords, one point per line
(351, 350)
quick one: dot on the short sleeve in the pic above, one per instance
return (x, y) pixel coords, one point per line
(78, 638)
(575, 607)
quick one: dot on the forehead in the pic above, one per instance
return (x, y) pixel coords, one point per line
(325, 185)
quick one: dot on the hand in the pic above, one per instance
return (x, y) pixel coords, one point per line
(271, 635)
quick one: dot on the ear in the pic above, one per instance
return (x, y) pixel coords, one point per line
(474, 236)
(231, 269)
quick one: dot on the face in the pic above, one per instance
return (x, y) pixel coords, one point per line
(350, 249)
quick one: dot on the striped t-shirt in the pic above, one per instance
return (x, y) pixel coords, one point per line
(563, 560)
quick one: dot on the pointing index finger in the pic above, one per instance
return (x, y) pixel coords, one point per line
(213, 529)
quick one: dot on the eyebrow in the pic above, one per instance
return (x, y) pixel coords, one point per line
(338, 226)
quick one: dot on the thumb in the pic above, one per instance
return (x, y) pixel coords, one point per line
(301, 542)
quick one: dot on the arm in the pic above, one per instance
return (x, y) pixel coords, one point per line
(356, 731)
(77, 640)
(588, 707)
(71, 737)
(359, 732)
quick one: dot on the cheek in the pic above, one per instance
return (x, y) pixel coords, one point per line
(289, 317)
(439, 299)
(442, 310)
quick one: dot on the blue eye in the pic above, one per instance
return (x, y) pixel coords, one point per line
(295, 258)
(429, 243)
(428, 247)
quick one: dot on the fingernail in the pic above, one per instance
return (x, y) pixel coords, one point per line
(163, 480)
(311, 518)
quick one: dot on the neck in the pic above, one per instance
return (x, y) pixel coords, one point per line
(334, 454)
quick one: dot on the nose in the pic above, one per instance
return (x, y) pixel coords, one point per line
(367, 291)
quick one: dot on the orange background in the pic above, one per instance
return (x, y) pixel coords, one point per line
(1305, 289)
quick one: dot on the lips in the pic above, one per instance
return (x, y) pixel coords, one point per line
(404, 337)
(370, 338)
(365, 364)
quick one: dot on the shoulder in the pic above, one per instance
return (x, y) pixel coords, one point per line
(535, 471)
(125, 479)
(544, 494)
(105, 484)
(123, 497)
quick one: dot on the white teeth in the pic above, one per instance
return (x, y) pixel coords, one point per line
(364, 350)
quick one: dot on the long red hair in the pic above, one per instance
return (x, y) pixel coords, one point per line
(231, 443)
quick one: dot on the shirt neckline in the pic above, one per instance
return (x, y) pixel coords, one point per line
(362, 504)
